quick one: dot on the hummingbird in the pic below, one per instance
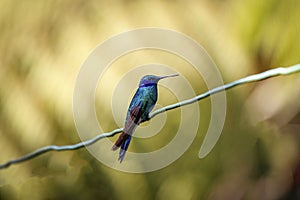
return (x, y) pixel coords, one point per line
(141, 105)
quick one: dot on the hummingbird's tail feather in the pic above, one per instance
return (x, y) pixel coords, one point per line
(122, 138)
(132, 122)
(124, 148)
(123, 142)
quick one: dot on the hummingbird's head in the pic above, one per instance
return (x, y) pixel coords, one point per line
(152, 79)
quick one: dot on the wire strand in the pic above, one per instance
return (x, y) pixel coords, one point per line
(248, 79)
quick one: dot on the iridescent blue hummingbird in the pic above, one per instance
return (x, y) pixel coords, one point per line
(141, 105)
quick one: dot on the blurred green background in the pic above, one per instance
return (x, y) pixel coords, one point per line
(44, 43)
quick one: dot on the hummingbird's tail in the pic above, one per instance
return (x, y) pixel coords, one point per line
(124, 148)
(121, 139)
(132, 122)
(123, 142)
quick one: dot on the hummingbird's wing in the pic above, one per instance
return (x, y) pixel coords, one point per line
(124, 139)
(132, 122)
(137, 109)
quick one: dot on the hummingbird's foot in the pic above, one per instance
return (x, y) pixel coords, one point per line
(144, 120)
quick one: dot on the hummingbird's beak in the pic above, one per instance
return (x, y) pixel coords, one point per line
(172, 75)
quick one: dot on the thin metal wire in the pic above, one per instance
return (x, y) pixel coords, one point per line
(248, 79)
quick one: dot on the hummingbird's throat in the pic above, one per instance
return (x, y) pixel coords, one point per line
(147, 84)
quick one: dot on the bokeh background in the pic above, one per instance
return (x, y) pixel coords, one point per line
(44, 43)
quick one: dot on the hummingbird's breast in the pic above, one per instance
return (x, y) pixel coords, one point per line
(145, 98)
